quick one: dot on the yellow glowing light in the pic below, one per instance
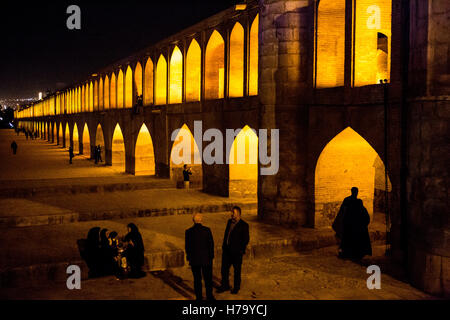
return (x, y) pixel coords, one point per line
(144, 154)
(176, 76)
(253, 63)
(106, 93)
(148, 82)
(67, 136)
(86, 141)
(96, 95)
(91, 97)
(76, 143)
(214, 69)
(330, 44)
(101, 101)
(193, 72)
(100, 141)
(129, 88)
(236, 82)
(120, 90)
(138, 79)
(118, 149)
(372, 41)
(112, 92)
(161, 81)
(244, 156)
(346, 161)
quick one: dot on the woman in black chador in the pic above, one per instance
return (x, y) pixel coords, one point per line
(134, 251)
(351, 226)
(92, 252)
(108, 252)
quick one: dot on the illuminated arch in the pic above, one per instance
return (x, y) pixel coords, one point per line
(91, 97)
(129, 88)
(148, 86)
(161, 81)
(83, 104)
(243, 164)
(67, 136)
(120, 90)
(75, 139)
(372, 41)
(86, 97)
(60, 134)
(186, 139)
(144, 153)
(101, 102)
(112, 92)
(54, 138)
(253, 59)
(330, 49)
(96, 95)
(176, 76)
(214, 69)
(86, 141)
(138, 79)
(346, 161)
(100, 141)
(193, 72)
(106, 92)
(118, 150)
(236, 81)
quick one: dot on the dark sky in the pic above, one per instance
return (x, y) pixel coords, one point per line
(38, 52)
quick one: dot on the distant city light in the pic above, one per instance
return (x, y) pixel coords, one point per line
(40, 95)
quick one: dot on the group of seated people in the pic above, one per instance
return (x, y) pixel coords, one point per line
(106, 253)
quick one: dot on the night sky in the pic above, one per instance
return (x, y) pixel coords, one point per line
(39, 53)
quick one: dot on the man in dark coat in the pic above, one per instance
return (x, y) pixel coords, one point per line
(14, 147)
(235, 242)
(351, 227)
(199, 245)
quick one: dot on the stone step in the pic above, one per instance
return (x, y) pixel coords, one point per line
(65, 217)
(42, 274)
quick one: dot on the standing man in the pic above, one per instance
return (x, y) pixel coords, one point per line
(186, 176)
(14, 147)
(71, 155)
(235, 242)
(199, 245)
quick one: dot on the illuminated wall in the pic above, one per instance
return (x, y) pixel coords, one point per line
(243, 164)
(176, 170)
(112, 92)
(144, 153)
(86, 97)
(214, 81)
(330, 43)
(236, 81)
(148, 75)
(372, 41)
(118, 150)
(86, 141)
(101, 102)
(193, 72)
(129, 88)
(120, 90)
(60, 134)
(67, 136)
(176, 76)
(161, 81)
(346, 161)
(100, 141)
(96, 95)
(83, 99)
(75, 139)
(138, 79)
(106, 93)
(91, 97)
(253, 59)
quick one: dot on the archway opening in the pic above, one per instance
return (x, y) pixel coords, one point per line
(214, 68)
(236, 82)
(60, 134)
(148, 82)
(347, 161)
(253, 63)
(100, 141)
(176, 76)
(185, 151)
(129, 88)
(54, 132)
(161, 81)
(243, 165)
(118, 150)
(67, 136)
(193, 72)
(120, 90)
(86, 142)
(112, 92)
(75, 139)
(144, 153)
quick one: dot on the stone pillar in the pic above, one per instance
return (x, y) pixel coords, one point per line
(284, 85)
(428, 150)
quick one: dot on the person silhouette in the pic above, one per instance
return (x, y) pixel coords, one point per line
(14, 147)
(351, 227)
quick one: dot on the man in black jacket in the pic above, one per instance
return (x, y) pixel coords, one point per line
(235, 242)
(199, 246)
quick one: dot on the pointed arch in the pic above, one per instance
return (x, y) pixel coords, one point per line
(254, 56)
(176, 76)
(193, 72)
(347, 161)
(60, 134)
(96, 95)
(100, 141)
(214, 67)
(113, 92)
(118, 150)
(148, 82)
(144, 153)
(120, 92)
(86, 141)
(129, 88)
(138, 79)
(101, 102)
(236, 81)
(67, 136)
(106, 93)
(243, 164)
(161, 81)
(185, 151)
(91, 97)
(75, 139)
